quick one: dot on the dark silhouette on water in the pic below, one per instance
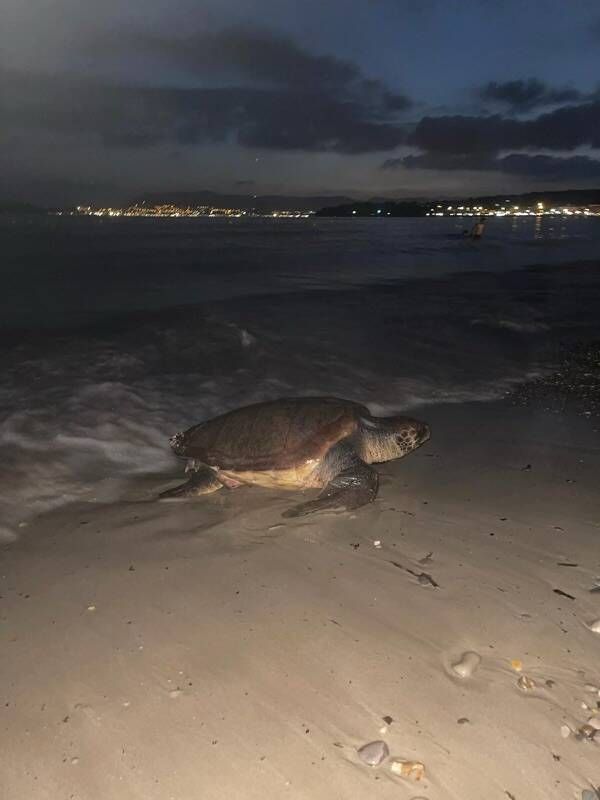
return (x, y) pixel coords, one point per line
(478, 229)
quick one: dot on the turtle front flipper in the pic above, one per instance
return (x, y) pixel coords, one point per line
(355, 486)
(202, 480)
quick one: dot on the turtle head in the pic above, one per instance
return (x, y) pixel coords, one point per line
(387, 438)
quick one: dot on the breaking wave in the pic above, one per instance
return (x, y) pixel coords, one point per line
(85, 409)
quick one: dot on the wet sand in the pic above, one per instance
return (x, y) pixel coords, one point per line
(208, 650)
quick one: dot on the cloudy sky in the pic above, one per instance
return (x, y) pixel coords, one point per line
(105, 100)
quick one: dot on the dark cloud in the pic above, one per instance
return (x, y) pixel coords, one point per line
(525, 95)
(269, 93)
(543, 167)
(551, 167)
(440, 161)
(562, 129)
(251, 53)
(279, 118)
(254, 57)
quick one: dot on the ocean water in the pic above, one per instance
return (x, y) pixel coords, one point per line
(114, 334)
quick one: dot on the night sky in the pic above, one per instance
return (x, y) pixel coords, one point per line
(105, 100)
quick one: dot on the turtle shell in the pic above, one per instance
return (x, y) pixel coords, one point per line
(281, 434)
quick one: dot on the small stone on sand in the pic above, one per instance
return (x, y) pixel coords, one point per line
(595, 626)
(374, 753)
(467, 664)
(587, 731)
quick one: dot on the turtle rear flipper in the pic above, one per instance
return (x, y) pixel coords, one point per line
(355, 486)
(202, 480)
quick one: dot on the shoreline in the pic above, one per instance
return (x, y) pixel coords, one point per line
(212, 649)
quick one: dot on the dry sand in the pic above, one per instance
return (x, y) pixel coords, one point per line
(207, 650)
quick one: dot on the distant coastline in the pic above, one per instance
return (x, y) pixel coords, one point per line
(575, 201)
(212, 204)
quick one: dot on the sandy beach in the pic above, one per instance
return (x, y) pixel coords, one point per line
(207, 650)
(279, 244)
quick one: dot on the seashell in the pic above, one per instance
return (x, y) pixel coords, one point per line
(526, 684)
(594, 722)
(587, 731)
(408, 769)
(565, 731)
(595, 626)
(467, 664)
(373, 753)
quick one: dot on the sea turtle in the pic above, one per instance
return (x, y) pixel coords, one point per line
(296, 443)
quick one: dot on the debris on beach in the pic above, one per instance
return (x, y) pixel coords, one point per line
(526, 684)
(422, 577)
(374, 753)
(384, 728)
(586, 731)
(408, 769)
(467, 664)
(426, 580)
(517, 664)
(595, 626)
(563, 594)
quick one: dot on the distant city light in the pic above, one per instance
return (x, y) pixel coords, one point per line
(438, 210)
(171, 210)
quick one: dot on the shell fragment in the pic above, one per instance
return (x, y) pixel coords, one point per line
(525, 683)
(408, 769)
(595, 626)
(467, 664)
